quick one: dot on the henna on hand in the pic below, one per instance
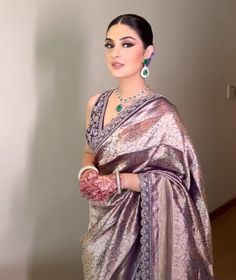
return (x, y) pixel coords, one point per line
(88, 175)
(96, 187)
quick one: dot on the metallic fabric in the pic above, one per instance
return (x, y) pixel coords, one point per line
(163, 232)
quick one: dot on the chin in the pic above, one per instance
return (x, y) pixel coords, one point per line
(118, 76)
(122, 75)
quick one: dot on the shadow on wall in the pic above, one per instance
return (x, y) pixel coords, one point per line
(53, 193)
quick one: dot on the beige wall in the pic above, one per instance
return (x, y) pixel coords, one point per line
(51, 60)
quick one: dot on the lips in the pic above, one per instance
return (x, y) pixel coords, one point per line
(117, 65)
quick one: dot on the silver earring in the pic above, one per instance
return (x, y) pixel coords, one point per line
(145, 71)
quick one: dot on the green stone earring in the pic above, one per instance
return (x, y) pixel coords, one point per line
(145, 71)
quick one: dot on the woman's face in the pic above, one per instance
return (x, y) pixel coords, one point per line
(124, 51)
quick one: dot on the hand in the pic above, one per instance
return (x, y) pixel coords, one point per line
(130, 181)
(95, 187)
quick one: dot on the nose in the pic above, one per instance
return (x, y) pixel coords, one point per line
(115, 52)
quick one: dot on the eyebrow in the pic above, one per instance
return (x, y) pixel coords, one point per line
(123, 38)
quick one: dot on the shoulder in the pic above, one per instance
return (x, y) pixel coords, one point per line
(166, 112)
(90, 104)
(94, 99)
(164, 106)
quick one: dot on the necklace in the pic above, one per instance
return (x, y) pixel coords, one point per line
(119, 107)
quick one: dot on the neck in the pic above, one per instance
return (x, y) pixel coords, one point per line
(130, 87)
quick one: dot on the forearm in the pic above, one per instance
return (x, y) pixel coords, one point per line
(99, 188)
(130, 181)
(88, 159)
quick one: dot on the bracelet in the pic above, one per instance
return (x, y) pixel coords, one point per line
(85, 168)
(118, 181)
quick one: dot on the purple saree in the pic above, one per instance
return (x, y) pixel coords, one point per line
(162, 233)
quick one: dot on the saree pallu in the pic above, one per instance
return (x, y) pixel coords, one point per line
(163, 232)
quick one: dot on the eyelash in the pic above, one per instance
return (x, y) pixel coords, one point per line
(108, 45)
(125, 45)
(129, 45)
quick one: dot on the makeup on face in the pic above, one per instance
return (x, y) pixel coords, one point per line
(124, 51)
(125, 42)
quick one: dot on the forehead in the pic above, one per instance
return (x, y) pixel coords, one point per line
(120, 30)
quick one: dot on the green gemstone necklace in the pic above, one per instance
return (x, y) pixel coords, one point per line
(119, 107)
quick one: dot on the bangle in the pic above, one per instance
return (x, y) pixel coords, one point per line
(118, 181)
(85, 168)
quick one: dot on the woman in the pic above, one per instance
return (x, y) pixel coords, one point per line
(148, 217)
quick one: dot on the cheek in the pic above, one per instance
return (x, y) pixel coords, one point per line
(137, 59)
(106, 56)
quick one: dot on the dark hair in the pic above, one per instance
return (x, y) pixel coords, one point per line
(138, 24)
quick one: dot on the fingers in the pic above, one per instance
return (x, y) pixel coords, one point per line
(97, 188)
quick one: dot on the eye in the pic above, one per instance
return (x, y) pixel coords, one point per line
(108, 45)
(128, 45)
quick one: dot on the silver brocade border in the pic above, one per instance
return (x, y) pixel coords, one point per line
(146, 227)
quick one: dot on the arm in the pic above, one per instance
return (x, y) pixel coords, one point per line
(94, 186)
(88, 157)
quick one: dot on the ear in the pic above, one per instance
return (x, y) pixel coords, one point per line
(148, 52)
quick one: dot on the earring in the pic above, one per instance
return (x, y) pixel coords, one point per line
(145, 71)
